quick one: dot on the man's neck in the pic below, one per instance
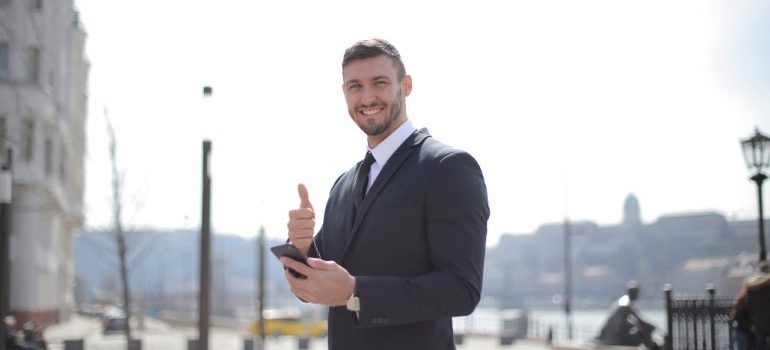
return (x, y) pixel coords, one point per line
(374, 140)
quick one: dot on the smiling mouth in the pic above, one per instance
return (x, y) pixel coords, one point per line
(370, 111)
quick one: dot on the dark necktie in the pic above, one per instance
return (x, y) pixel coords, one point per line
(362, 180)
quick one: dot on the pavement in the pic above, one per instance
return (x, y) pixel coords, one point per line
(158, 335)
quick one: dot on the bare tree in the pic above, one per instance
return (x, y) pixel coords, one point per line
(117, 229)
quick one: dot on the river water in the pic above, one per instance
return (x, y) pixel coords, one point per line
(586, 323)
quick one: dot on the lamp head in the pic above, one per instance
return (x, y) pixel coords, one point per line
(756, 151)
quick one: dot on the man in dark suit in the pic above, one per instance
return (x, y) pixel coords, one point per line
(401, 248)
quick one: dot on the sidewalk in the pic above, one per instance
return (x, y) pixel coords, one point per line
(158, 335)
(76, 328)
(488, 343)
(154, 334)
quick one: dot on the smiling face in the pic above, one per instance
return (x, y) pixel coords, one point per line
(375, 96)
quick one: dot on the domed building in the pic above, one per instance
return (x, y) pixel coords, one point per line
(632, 217)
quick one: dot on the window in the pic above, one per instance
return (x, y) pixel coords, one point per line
(28, 133)
(48, 156)
(33, 65)
(3, 61)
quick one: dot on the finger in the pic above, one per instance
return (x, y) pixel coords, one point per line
(297, 285)
(296, 222)
(300, 229)
(304, 198)
(300, 234)
(290, 278)
(296, 265)
(301, 240)
(304, 234)
(300, 214)
(299, 288)
(319, 264)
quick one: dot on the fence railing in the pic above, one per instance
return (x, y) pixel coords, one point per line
(698, 322)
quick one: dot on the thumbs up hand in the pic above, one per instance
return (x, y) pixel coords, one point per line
(302, 222)
(304, 198)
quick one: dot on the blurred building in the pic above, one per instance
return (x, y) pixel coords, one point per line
(687, 250)
(43, 74)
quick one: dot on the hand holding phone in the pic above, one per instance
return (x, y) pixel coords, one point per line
(290, 251)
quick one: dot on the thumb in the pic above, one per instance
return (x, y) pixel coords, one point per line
(304, 200)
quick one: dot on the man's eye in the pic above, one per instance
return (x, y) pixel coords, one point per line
(354, 87)
(381, 83)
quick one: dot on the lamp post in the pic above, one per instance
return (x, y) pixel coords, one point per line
(205, 253)
(261, 296)
(568, 276)
(6, 189)
(756, 152)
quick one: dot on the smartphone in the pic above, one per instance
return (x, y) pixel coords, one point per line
(290, 251)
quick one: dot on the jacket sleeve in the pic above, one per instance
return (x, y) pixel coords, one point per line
(456, 213)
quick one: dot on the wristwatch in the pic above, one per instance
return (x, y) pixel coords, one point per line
(353, 304)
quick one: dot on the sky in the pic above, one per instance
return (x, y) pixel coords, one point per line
(568, 106)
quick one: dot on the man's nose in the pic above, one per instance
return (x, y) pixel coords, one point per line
(368, 96)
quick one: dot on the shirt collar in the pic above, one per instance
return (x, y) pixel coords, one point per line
(387, 147)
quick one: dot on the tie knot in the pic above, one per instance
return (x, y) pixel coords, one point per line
(368, 160)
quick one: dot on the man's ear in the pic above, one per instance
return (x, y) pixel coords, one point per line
(406, 85)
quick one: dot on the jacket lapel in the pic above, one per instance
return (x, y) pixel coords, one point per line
(391, 167)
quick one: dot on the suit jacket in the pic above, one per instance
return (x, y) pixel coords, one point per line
(416, 248)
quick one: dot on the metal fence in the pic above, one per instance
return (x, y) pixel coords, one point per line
(698, 322)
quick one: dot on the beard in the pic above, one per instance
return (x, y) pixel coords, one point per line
(377, 129)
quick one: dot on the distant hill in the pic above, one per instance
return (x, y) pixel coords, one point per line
(166, 262)
(687, 251)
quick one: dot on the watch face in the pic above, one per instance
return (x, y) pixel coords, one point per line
(353, 304)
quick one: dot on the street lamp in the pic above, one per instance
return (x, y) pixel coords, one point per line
(756, 152)
(205, 253)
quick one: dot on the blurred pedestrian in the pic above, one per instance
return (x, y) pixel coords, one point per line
(744, 337)
(625, 327)
(758, 296)
(9, 332)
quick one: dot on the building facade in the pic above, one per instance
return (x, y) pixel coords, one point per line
(43, 77)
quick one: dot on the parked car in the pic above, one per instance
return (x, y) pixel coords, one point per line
(290, 322)
(114, 325)
(113, 321)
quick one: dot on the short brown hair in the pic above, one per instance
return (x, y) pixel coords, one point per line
(372, 48)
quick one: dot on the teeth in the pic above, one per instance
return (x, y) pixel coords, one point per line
(370, 111)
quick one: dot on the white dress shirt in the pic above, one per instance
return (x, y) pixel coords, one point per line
(386, 148)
